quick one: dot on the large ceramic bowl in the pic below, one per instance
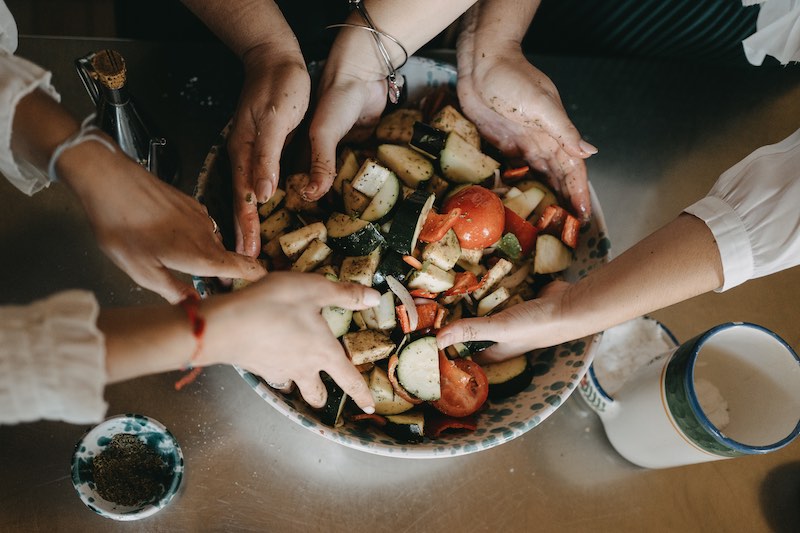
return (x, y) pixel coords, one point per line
(558, 370)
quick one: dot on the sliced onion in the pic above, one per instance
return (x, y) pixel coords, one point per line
(497, 181)
(512, 280)
(406, 299)
(501, 191)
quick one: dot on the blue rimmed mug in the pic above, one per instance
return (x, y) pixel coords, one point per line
(662, 416)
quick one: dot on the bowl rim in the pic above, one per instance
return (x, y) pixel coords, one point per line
(90, 498)
(430, 449)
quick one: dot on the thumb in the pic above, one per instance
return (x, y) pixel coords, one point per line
(467, 329)
(347, 295)
(162, 282)
(328, 127)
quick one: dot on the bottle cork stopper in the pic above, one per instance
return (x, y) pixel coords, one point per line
(109, 67)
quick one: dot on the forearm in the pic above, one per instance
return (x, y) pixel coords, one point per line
(493, 27)
(30, 140)
(247, 25)
(675, 263)
(413, 23)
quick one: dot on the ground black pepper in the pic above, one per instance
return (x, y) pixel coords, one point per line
(128, 472)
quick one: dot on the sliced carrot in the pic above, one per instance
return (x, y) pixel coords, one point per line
(402, 318)
(465, 283)
(426, 316)
(569, 235)
(516, 173)
(378, 420)
(422, 293)
(441, 313)
(412, 261)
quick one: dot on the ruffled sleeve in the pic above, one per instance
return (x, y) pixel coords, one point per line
(777, 32)
(52, 360)
(753, 213)
(18, 78)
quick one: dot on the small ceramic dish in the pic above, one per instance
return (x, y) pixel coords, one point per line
(151, 433)
(557, 370)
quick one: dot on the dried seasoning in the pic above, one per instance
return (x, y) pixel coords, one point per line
(129, 472)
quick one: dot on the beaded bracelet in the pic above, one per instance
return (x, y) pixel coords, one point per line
(85, 133)
(395, 84)
(191, 305)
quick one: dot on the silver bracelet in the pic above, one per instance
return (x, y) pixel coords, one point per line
(85, 133)
(395, 84)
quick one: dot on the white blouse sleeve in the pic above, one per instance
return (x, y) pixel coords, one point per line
(52, 360)
(777, 32)
(18, 78)
(753, 213)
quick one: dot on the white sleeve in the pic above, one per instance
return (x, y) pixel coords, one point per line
(753, 213)
(52, 360)
(777, 32)
(18, 78)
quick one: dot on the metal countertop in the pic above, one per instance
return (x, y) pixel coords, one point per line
(665, 132)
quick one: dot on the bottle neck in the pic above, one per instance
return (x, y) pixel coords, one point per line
(116, 96)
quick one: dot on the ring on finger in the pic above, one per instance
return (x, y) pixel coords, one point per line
(279, 386)
(214, 222)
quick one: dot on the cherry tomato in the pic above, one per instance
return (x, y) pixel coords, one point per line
(482, 216)
(464, 387)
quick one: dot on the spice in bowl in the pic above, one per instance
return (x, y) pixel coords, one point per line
(127, 468)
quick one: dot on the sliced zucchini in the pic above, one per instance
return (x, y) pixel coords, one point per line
(548, 199)
(354, 202)
(443, 253)
(384, 200)
(407, 427)
(431, 278)
(352, 236)
(273, 247)
(367, 346)
(509, 377)
(391, 264)
(371, 321)
(386, 401)
(492, 278)
(428, 140)
(275, 224)
(265, 209)
(331, 413)
(463, 163)
(385, 315)
(551, 255)
(410, 166)
(490, 302)
(329, 271)
(408, 221)
(398, 126)
(348, 166)
(313, 256)
(450, 120)
(525, 202)
(361, 269)
(418, 368)
(338, 319)
(370, 177)
(296, 241)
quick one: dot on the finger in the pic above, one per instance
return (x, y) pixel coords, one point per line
(346, 295)
(161, 281)
(352, 383)
(576, 185)
(313, 390)
(467, 329)
(266, 159)
(245, 210)
(498, 352)
(326, 131)
(225, 264)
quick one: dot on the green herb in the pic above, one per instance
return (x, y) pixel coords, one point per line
(128, 472)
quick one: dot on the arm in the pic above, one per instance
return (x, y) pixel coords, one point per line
(353, 86)
(145, 226)
(516, 106)
(746, 227)
(273, 101)
(244, 328)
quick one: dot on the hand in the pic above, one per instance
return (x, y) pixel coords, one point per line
(147, 227)
(273, 101)
(275, 330)
(518, 109)
(523, 327)
(349, 108)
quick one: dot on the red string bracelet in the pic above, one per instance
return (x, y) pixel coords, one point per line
(191, 304)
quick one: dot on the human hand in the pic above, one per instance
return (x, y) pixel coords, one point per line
(273, 101)
(517, 108)
(275, 330)
(349, 107)
(523, 327)
(146, 227)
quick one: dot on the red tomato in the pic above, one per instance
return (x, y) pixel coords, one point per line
(464, 387)
(482, 216)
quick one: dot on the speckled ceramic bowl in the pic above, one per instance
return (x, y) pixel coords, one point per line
(97, 439)
(558, 370)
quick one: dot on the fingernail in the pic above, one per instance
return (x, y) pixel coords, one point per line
(541, 166)
(587, 148)
(369, 409)
(262, 190)
(372, 298)
(311, 190)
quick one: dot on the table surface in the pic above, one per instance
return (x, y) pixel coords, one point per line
(665, 132)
